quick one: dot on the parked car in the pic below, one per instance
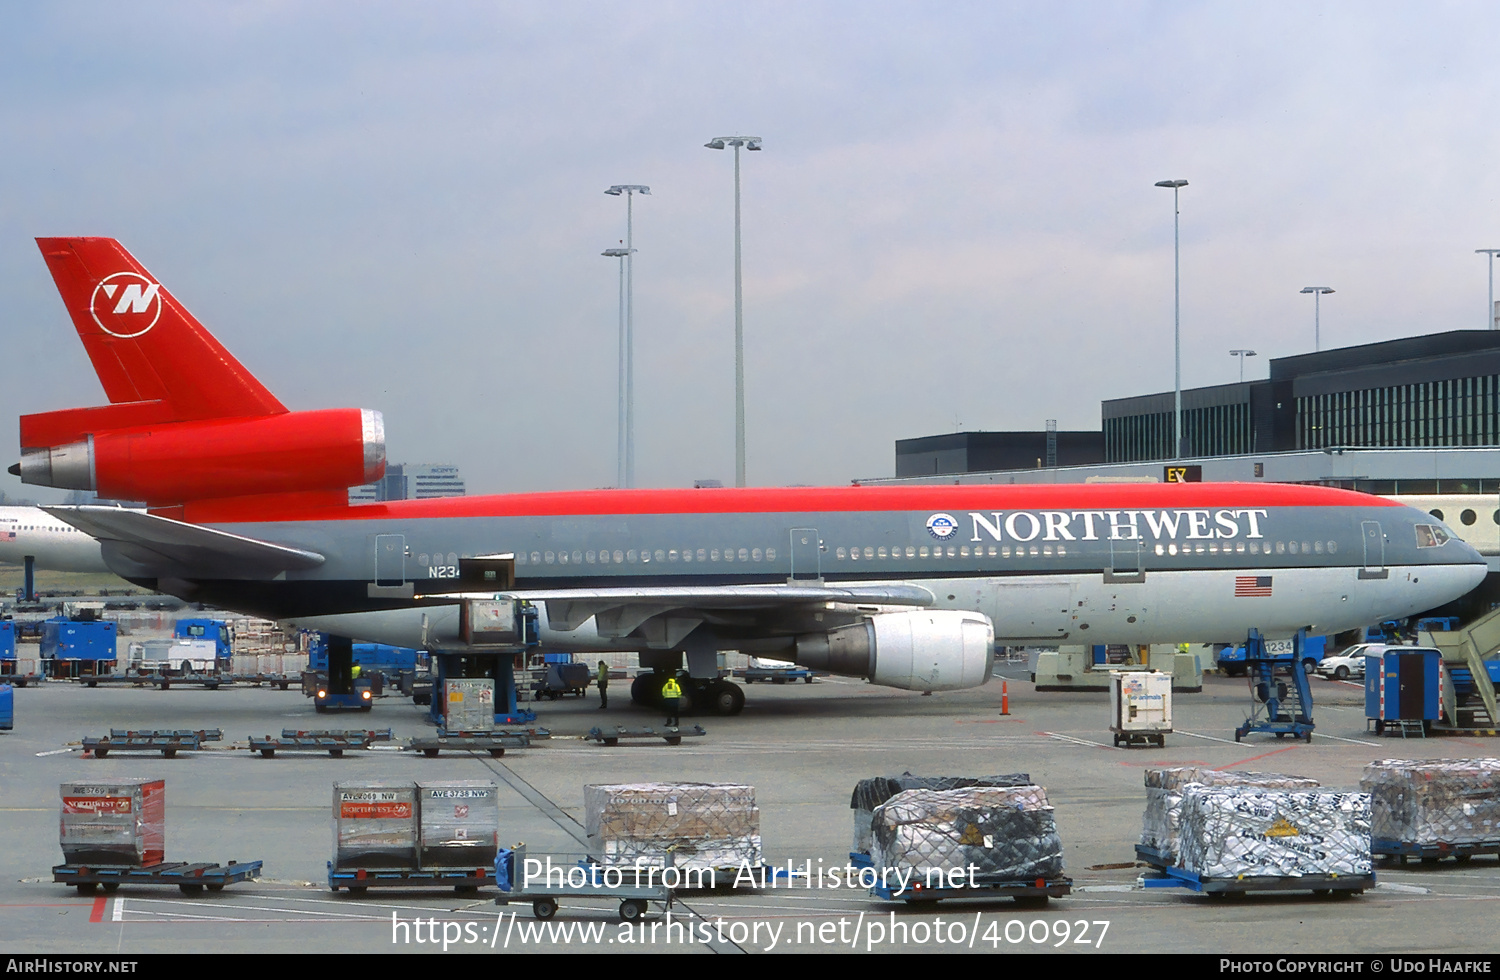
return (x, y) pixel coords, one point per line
(1350, 663)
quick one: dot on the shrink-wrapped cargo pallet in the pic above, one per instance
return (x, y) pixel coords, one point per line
(1164, 789)
(686, 825)
(458, 822)
(1002, 833)
(375, 824)
(1441, 801)
(1232, 831)
(871, 793)
(114, 822)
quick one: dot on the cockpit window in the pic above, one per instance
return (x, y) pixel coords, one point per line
(1431, 536)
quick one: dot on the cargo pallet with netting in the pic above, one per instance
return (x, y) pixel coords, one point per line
(1032, 892)
(1342, 886)
(190, 879)
(464, 881)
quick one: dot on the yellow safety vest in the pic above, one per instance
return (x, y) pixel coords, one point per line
(670, 689)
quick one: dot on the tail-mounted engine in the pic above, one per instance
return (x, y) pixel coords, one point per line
(173, 462)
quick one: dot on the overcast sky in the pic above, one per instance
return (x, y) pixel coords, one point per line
(952, 225)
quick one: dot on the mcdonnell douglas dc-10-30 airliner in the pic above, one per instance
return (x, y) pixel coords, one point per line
(907, 586)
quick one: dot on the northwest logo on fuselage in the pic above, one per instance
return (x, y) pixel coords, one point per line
(1112, 525)
(942, 526)
(126, 304)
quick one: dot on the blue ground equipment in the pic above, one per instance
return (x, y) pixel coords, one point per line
(339, 687)
(1281, 702)
(77, 648)
(1402, 689)
(498, 632)
(209, 629)
(1231, 660)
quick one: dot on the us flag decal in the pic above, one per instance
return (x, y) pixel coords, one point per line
(1252, 586)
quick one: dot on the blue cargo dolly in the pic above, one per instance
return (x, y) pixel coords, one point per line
(1431, 853)
(670, 735)
(190, 879)
(202, 734)
(1029, 892)
(1342, 885)
(334, 743)
(464, 881)
(167, 745)
(1157, 859)
(634, 897)
(495, 743)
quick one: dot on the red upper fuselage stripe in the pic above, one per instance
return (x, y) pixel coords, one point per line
(805, 500)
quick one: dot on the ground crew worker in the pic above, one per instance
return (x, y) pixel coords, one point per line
(603, 685)
(671, 697)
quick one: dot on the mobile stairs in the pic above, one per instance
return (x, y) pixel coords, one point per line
(1470, 668)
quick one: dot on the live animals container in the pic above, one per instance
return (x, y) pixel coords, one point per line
(1140, 705)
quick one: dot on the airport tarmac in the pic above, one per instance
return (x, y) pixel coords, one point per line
(802, 747)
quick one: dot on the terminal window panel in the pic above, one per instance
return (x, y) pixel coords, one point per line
(1455, 412)
(1213, 430)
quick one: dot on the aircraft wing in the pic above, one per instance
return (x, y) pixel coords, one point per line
(141, 545)
(661, 617)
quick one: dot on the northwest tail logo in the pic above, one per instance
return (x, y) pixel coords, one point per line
(126, 304)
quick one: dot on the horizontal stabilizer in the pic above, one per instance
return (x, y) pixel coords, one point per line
(141, 545)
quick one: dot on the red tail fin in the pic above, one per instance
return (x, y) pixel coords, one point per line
(144, 345)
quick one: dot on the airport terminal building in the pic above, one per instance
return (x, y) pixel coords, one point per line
(1415, 418)
(1420, 415)
(1433, 391)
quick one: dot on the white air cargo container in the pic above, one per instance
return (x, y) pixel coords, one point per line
(459, 823)
(1140, 706)
(375, 824)
(468, 704)
(114, 822)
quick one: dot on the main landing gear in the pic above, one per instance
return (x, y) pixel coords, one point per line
(699, 695)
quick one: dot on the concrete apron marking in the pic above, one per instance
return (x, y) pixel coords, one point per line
(1080, 741)
(1210, 738)
(174, 909)
(1351, 741)
(575, 830)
